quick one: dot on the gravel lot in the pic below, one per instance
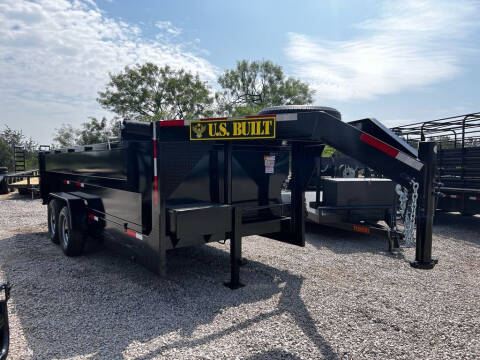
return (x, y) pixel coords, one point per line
(342, 296)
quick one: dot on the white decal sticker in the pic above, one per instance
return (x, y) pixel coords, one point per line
(269, 164)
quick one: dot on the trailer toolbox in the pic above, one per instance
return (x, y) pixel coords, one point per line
(358, 192)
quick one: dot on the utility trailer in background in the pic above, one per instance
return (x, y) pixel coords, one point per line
(178, 183)
(25, 181)
(458, 158)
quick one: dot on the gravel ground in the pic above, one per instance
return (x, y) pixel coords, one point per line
(342, 296)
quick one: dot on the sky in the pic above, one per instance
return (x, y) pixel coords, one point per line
(398, 61)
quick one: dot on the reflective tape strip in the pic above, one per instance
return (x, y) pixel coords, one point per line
(155, 186)
(155, 171)
(474, 197)
(134, 234)
(391, 151)
(379, 145)
(77, 183)
(287, 117)
(409, 161)
(170, 123)
(451, 196)
(93, 217)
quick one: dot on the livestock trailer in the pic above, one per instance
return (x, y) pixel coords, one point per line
(176, 183)
(458, 159)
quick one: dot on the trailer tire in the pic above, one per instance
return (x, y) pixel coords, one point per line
(54, 207)
(71, 240)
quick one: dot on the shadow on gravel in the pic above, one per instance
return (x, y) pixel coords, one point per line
(345, 242)
(104, 306)
(17, 196)
(467, 226)
(274, 354)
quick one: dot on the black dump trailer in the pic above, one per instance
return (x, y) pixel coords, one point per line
(177, 183)
(458, 159)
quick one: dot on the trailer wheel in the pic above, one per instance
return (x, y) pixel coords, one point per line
(53, 212)
(71, 240)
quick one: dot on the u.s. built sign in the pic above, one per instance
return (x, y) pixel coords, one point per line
(234, 129)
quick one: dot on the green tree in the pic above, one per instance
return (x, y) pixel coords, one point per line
(66, 135)
(148, 92)
(93, 131)
(257, 84)
(6, 154)
(8, 139)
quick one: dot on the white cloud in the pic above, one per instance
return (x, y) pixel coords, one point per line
(55, 55)
(168, 27)
(412, 43)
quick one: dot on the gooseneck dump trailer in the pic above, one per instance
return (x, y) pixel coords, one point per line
(177, 183)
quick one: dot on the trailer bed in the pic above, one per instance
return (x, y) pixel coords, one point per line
(32, 181)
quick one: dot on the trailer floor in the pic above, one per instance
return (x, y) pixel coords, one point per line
(34, 181)
(342, 296)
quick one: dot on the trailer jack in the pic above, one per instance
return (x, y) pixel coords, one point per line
(235, 250)
(427, 152)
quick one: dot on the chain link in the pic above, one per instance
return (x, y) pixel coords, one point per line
(408, 213)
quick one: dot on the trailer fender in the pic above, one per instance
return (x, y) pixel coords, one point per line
(76, 207)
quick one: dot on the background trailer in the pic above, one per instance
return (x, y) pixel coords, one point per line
(458, 158)
(177, 183)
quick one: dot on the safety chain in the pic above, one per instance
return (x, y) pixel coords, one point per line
(408, 213)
